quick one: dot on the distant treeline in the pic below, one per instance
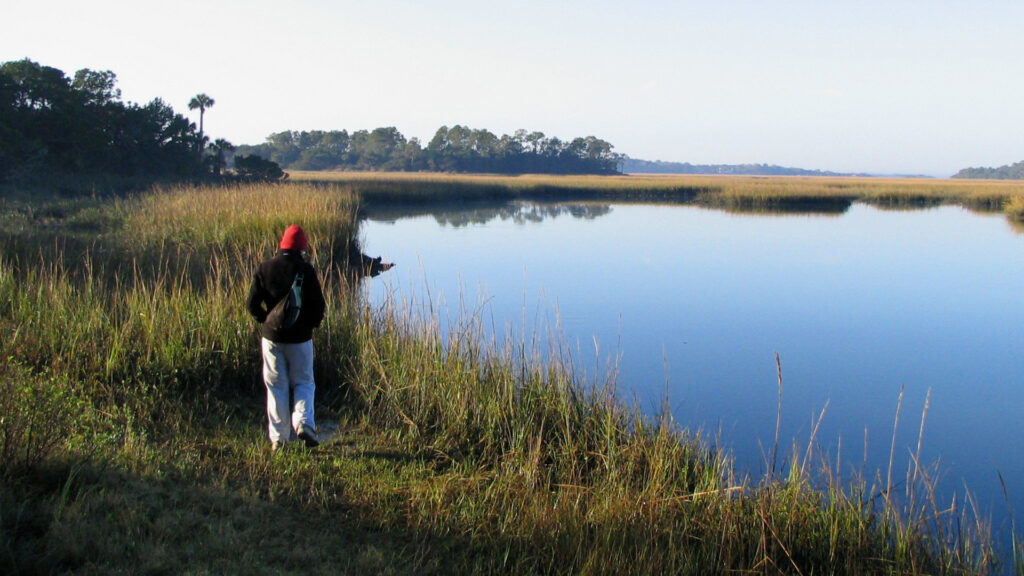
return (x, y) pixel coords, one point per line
(1009, 172)
(455, 149)
(632, 166)
(50, 123)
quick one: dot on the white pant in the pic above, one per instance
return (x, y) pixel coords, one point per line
(288, 368)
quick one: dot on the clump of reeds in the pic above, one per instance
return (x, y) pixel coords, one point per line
(1014, 208)
(237, 215)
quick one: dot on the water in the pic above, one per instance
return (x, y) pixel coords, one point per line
(692, 305)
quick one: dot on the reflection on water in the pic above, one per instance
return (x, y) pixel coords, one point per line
(692, 302)
(459, 215)
(519, 211)
(784, 206)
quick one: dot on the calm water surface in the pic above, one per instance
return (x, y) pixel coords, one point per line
(694, 304)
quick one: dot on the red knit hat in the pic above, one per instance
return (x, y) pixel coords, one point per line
(294, 239)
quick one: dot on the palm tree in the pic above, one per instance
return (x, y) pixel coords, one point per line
(201, 101)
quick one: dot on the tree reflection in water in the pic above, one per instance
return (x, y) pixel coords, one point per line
(459, 215)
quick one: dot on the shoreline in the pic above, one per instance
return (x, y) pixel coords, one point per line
(736, 193)
(135, 366)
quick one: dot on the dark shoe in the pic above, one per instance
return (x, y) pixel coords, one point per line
(276, 446)
(308, 435)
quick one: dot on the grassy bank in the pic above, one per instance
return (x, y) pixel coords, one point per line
(133, 429)
(738, 193)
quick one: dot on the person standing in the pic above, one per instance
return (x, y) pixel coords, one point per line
(288, 350)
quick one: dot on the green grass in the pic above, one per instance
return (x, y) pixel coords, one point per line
(133, 428)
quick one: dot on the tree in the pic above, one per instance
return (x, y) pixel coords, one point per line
(32, 99)
(154, 139)
(384, 148)
(412, 155)
(255, 168)
(535, 140)
(218, 159)
(98, 88)
(202, 102)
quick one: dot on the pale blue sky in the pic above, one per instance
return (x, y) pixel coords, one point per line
(894, 86)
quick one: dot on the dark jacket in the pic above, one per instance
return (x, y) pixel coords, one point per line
(271, 282)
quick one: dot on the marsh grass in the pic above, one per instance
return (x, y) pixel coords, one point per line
(568, 479)
(735, 193)
(1014, 209)
(455, 455)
